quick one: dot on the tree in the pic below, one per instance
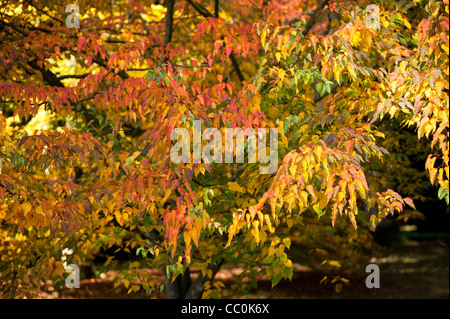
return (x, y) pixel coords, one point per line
(87, 116)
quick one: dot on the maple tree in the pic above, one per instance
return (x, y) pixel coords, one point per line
(87, 114)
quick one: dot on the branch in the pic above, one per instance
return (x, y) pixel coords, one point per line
(103, 64)
(73, 76)
(16, 28)
(314, 16)
(196, 289)
(200, 9)
(48, 75)
(44, 12)
(53, 80)
(206, 14)
(297, 17)
(216, 9)
(308, 27)
(144, 24)
(236, 67)
(169, 22)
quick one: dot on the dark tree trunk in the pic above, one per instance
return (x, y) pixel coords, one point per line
(179, 287)
(183, 288)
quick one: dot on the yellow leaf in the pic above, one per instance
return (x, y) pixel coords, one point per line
(218, 284)
(281, 72)
(269, 224)
(361, 187)
(26, 207)
(133, 157)
(195, 235)
(39, 211)
(323, 201)
(333, 263)
(403, 65)
(293, 168)
(278, 56)
(187, 238)
(407, 24)
(256, 100)
(255, 233)
(289, 222)
(287, 243)
(233, 186)
(318, 152)
(433, 173)
(166, 196)
(263, 38)
(337, 75)
(119, 219)
(284, 139)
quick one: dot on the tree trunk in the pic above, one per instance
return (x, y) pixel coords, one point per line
(178, 288)
(183, 288)
(196, 289)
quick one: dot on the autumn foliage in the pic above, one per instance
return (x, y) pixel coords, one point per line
(87, 113)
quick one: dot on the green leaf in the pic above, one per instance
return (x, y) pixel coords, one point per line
(319, 87)
(287, 243)
(286, 125)
(201, 214)
(258, 30)
(317, 209)
(288, 272)
(442, 192)
(276, 278)
(167, 81)
(268, 260)
(324, 88)
(350, 92)
(229, 195)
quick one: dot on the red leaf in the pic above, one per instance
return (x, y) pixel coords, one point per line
(81, 42)
(228, 51)
(217, 46)
(409, 202)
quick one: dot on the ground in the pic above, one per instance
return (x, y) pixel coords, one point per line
(408, 270)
